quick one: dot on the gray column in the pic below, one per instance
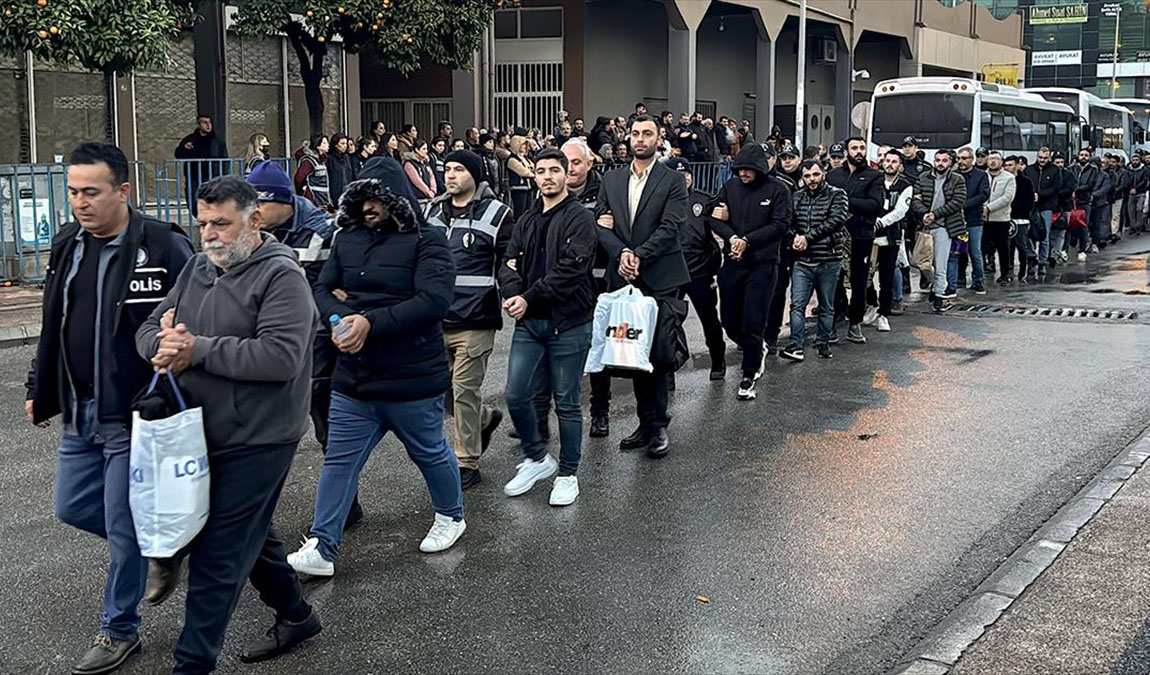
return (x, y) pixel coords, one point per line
(844, 83)
(681, 50)
(209, 49)
(764, 87)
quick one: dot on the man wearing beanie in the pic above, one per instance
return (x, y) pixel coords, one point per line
(296, 222)
(477, 227)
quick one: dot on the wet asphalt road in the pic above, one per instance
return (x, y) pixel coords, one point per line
(830, 523)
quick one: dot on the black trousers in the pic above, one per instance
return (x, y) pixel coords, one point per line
(860, 270)
(237, 543)
(703, 293)
(887, 266)
(778, 300)
(600, 393)
(999, 236)
(745, 291)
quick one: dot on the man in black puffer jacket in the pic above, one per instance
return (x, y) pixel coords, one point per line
(821, 213)
(753, 213)
(398, 278)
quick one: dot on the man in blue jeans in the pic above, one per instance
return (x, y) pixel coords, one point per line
(821, 213)
(977, 194)
(397, 280)
(548, 288)
(99, 289)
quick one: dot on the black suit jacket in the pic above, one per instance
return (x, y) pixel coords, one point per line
(653, 235)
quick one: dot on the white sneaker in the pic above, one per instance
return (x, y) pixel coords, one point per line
(444, 532)
(528, 473)
(871, 316)
(1082, 257)
(1062, 256)
(565, 491)
(308, 560)
(883, 324)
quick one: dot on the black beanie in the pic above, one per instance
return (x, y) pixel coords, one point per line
(469, 160)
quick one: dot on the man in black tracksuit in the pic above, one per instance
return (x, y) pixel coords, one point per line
(703, 261)
(753, 212)
(866, 195)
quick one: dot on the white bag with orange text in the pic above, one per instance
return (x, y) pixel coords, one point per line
(623, 331)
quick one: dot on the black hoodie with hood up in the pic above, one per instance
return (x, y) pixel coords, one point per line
(760, 211)
(400, 276)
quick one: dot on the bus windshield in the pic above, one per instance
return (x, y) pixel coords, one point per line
(936, 120)
(1060, 97)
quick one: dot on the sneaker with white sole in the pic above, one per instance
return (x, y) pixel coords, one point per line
(528, 473)
(883, 324)
(746, 389)
(444, 532)
(871, 316)
(565, 490)
(1082, 257)
(308, 560)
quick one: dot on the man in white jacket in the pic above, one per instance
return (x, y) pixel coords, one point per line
(996, 214)
(889, 230)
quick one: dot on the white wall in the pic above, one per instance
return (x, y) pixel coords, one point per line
(725, 67)
(625, 56)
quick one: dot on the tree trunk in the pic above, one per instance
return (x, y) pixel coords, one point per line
(310, 53)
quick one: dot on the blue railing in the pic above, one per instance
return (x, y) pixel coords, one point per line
(34, 202)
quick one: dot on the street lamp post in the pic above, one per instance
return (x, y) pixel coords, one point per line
(800, 93)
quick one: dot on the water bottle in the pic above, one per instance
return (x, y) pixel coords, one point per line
(339, 327)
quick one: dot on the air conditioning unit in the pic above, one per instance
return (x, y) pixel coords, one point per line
(826, 51)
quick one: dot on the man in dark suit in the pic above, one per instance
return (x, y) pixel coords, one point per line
(641, 209)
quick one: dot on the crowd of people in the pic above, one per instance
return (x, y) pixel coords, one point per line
(369, 290)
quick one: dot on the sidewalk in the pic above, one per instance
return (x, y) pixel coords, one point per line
(1089, 612)
(19, 315)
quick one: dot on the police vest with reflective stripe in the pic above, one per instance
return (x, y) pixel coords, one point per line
(472, 243)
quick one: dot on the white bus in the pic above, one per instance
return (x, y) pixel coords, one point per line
(950, 113)
(1140, 109)
(1106, 127)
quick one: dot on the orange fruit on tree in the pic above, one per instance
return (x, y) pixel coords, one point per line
(310, 14)
(43, 34)
(42, 3)
(54, 30)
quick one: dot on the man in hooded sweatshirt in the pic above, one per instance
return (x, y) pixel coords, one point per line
(237, 330)
(753, 212)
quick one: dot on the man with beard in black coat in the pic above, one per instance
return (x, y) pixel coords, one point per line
(866, 195)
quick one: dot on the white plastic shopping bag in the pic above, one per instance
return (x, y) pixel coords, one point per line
(170, 479)
(623, 332)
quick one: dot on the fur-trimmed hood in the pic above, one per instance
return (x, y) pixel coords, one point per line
(381, 179)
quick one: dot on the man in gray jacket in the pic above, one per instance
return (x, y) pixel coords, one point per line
(938, 200)
(237, 330)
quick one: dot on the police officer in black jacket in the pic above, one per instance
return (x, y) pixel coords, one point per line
(703, 261)
(106, 273)
(753, 212)
(866, 195)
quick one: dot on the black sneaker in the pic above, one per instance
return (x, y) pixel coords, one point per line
(924, 282)
(855, 334)
(281, 637)
(792, 353)
(825, 351)
(939, 305)
(772, 348)
(896, 308)
(950, 293)
(469, 478)
(1005, 281)
(746, 389)
(962, 283)
(485, 434)
(106, 654)
(638, 439)
(718, 370)
(834, 337)
(600, 426)
(978, 289)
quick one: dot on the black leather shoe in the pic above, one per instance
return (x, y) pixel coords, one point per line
(106, 655)
(469, 478)
(163, 577)
(718, 370)
(639, 439)
(659, 444)
(600, 426)
(485, 435)
(354, 514)
(280, 638)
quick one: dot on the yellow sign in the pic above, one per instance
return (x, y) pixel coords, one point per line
(1001, 73)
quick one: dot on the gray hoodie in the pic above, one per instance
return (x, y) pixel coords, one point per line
(251, 364)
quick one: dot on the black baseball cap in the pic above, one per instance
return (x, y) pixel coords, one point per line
(910, 140)
(837, 150)
(679, 164)
(789, 150)
(981, 152)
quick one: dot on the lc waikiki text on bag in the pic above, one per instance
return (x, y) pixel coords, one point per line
(170, 478)
(623, 331)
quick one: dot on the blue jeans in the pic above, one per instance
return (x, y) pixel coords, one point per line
(537, 353)
(1044, 245)
(974, 251)
(355, 428)
(821, 279)
(92, 495)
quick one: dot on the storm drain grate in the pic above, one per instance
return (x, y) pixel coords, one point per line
(1053, 312)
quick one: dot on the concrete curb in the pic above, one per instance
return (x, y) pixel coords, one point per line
(945, 643)
(14, 336)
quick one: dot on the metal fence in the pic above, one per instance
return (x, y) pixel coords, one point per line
(34, 202)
